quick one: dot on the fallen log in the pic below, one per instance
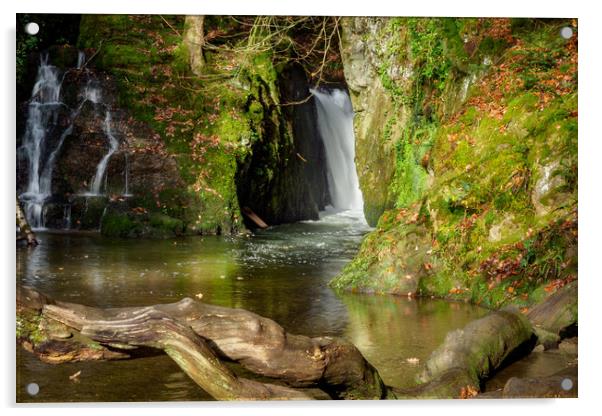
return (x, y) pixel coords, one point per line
(257, 343)
(470, 355)
(24, 232)
(152, 328)
(555, 314)
(197, 335)
(254, 217)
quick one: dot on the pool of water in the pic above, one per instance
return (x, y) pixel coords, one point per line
(281, 273)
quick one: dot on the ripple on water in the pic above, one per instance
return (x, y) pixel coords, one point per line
(281, 273)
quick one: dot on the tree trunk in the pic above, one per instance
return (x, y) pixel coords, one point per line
(257, 343)
(196, 335)
(24, 232)
(554, 315)
(194, 39)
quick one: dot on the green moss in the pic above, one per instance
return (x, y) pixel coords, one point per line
(212, 121)
(166, 223)
(495, 236)
(28, 327)
(118, 225)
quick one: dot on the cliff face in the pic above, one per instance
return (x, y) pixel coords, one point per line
(466, 137)
(235, 145)
(195, 143)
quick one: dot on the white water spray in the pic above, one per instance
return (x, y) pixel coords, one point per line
(81, 59)
(42, 126)
(102, 165)
(335, 123)
(126, 192)
(42, 117)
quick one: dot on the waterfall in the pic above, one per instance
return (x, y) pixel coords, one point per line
(126, 191)
(67, 216)
(81, 59)
(102, 165)
(335, 123)
(42, 144)
(42, 118)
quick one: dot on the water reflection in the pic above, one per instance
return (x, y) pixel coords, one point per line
(281, 273)
(398, 334)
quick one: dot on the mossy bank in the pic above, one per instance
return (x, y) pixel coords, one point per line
(196, 142)
(466, 137)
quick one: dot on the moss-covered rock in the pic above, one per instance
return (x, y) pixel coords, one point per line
(221, 125)
(481, 127)
(120, 220)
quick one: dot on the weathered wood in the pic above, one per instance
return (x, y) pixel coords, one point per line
(152, 328)
(257, 343)
(554, 315)
(24, 232)
(194, 39)
(254, 217)
(196, 335)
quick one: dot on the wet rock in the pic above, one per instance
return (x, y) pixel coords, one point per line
(56, 214)
(554, 315)
(396, 268)
(569, 345)
(284, 178)
(87, 211)
(561, 384)
(547, 190)
(375, 159)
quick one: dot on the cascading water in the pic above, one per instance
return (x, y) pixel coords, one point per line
(126, 191)
(45, 134)
(102, 165)
(335, 123)
(81, 59)
(42, 117)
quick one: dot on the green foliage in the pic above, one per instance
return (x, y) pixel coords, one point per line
(409, 181)
(118, 225)
(24, 48)
(500, 227)
(208, 123)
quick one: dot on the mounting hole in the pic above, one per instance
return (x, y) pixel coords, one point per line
(566, 384)
(566, 32)
(33, 389)
(32, 28)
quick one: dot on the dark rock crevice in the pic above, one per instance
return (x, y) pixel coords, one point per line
(284, 178)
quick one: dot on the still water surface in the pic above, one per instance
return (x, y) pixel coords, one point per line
(281, 273)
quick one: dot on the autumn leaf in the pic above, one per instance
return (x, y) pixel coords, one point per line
(468, 392)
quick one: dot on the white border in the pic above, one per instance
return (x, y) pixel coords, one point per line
(590, 158)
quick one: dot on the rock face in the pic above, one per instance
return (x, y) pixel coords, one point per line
(284, 177)
(192, 144)
(136, 166)
(466, 157)
(375, 158)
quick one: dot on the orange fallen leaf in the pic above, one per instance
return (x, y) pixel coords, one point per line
(468, 392)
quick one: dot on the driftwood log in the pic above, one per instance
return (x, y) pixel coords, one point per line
(198, 336)
(24, 232)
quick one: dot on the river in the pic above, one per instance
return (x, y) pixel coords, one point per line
(281, 273)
